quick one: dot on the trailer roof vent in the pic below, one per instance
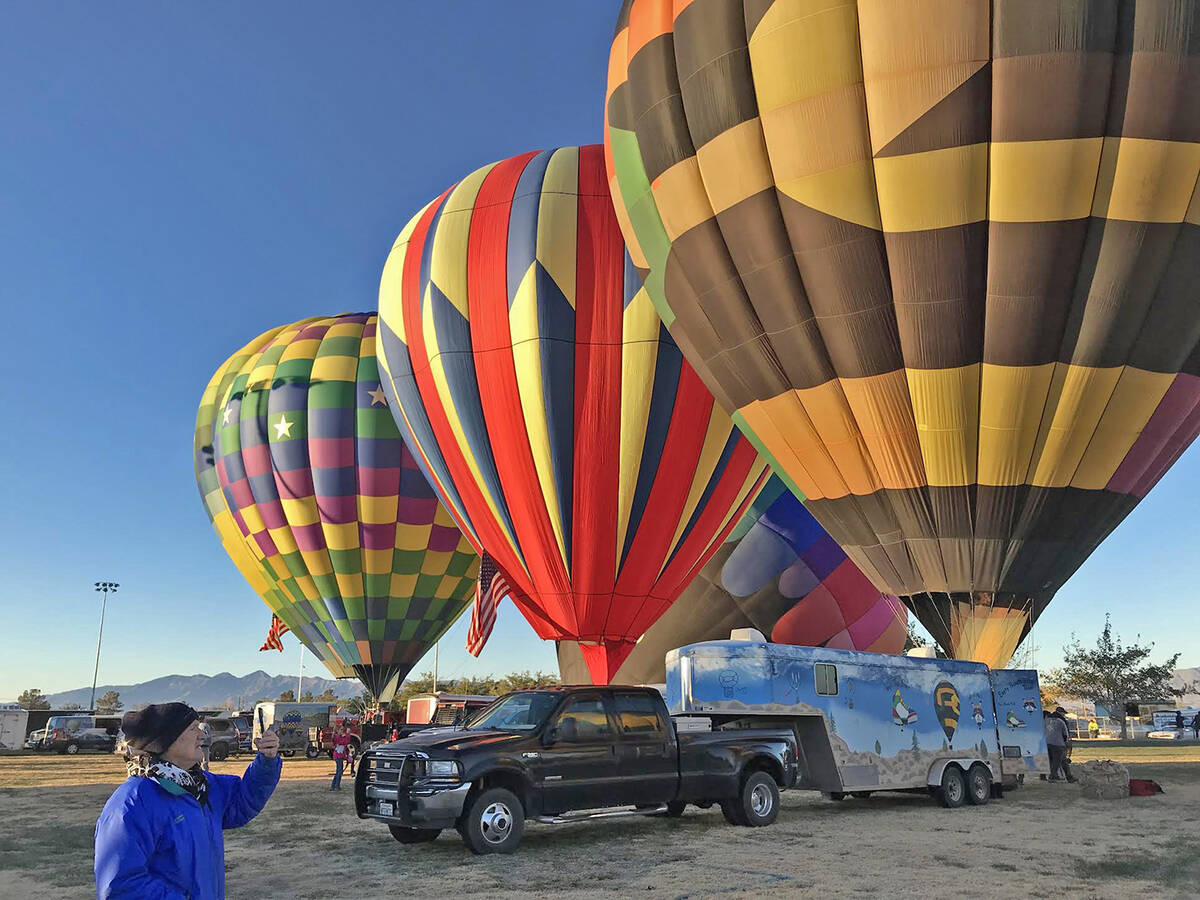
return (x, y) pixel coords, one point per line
(747, 634)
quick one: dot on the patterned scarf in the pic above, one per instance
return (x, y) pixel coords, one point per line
(173, 779)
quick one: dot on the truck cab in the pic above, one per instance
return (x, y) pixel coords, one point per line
(558, 755)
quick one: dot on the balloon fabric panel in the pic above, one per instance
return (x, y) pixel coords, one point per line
(548, 405)
(939, 259)
(322, 491)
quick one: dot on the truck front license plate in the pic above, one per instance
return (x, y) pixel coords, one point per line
(387, 809)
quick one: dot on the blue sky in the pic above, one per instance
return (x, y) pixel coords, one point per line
(175, 179)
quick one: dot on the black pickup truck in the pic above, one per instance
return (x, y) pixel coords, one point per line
(542, 754)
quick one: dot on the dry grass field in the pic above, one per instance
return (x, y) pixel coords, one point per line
(1044, 840)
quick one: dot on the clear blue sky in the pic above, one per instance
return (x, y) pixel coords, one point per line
(175, 179)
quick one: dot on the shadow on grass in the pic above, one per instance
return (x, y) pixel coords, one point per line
(32, 846)
(1175, 865)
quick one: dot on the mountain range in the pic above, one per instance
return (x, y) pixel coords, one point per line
(208, 691)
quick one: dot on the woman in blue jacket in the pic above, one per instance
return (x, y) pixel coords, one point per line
(159, 836)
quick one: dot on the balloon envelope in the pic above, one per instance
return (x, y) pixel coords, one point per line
(778, 572)
(360, 559)
(940, 260)
(551, 409)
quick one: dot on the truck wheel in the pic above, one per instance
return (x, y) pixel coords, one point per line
(756, 805)
(218, 752)
(312, 751)
(979, 785)
(71, 748)
(414, 835)
(953, 792)
(493, 822)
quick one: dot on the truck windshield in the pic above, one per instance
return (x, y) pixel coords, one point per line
(516, 712)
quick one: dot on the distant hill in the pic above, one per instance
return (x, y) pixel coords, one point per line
(207, 691)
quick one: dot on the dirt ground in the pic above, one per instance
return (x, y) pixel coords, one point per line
(1044, 840)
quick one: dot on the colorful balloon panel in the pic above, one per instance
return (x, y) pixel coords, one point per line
(550, 408)
(778, 572)
(940, 260)
(321, 491)
(834, 603)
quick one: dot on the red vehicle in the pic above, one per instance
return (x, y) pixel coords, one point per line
(377, 728)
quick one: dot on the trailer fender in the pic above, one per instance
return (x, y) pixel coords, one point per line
(934, 778)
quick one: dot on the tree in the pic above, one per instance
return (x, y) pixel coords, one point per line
(326, 696)
(287, 697)
(916, 747)
(306, 697)
(71, 706)
(518, 681)
(33, 699)
(109, 704)
(914, 638)
(358, 706)
(1113, 674)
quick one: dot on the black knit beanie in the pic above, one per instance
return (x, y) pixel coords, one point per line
(154, 728)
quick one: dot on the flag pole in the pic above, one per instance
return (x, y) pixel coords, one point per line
(435, 662)
(300, 676)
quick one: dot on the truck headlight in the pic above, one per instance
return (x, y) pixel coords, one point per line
(441, 768)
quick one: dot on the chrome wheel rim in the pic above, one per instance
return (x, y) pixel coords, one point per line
(954, 790)
(760, 800)
(979, 785)
(496, 823)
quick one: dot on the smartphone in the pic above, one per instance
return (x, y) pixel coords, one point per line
(262, 728)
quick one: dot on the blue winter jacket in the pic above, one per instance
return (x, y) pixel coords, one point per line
(158, 844)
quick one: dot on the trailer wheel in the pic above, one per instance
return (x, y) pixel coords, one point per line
(218, 752)
(312, 751)
(414, 835)
(953, 792)
(979, 785)
(861, 795)
(71, 748)
(493, 822)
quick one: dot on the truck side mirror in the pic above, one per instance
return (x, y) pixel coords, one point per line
(549, 736)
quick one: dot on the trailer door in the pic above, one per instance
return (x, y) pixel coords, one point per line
(1019, 728)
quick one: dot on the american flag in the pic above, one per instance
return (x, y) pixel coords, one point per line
(491, 589)
(278, 630)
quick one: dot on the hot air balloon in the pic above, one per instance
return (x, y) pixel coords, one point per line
(550, 408)
(939, 258)
(261, 579)
(357, 555)
(778, 572)
(946, 706)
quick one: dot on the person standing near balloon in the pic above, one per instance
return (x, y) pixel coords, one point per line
(161, 833)
(341, 743)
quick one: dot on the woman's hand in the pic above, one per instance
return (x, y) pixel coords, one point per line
(268, 744)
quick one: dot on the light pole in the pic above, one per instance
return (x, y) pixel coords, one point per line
(105, 587)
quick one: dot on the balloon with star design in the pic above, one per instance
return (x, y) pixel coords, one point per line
(315, 487)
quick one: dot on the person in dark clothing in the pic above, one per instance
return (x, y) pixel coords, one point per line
(1056, 744)
(1179, 720)
(1196, 727)
(1065, 762)
(160, 835)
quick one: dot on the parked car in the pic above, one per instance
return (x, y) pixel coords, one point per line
(230, 736)
(548, 753)
(70, 734)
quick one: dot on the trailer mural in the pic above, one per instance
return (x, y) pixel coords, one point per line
(1019, 708)
(903, 718)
